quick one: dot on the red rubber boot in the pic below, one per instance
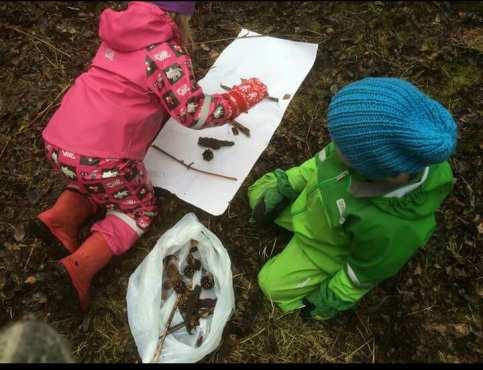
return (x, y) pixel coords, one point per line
(59, 225)
(84, 263)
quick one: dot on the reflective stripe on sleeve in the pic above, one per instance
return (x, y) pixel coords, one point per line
(352, 276)
(205, 109)
(322, 155)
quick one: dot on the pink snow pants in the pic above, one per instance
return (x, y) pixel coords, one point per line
(122, 186)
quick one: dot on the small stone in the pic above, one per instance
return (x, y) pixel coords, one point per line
(19, 233)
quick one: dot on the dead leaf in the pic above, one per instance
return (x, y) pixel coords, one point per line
(12, 247)
(480, 228)
(19, 233)
(286, 96)
(30, 280)
(418, 270)
(462, 330)
(214, 54)
(440, 328)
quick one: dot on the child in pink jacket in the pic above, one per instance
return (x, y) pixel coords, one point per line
(140, 76)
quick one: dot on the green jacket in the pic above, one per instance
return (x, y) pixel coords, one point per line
(370, 235)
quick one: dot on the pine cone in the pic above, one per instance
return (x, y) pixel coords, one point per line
(180, 287)
(207, 282)
(190, 259)
(196, 264)
(189, 271)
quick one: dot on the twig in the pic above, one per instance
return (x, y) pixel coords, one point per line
(349, 357)
(374, 350)
(247, 37)
(245, 130)
(183, 323)
(43, 111)
(5, 146)
(163, 337)
(253, 336)
(28, 258)
(224, 87)
(35, 37)
(229, 38)
(190, 167)
(172, 329)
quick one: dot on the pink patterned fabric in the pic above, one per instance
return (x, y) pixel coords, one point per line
(139, 77)
(121, 186)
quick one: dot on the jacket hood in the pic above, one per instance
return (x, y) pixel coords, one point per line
(142, 24)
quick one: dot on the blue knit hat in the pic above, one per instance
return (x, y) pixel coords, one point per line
(386, 126)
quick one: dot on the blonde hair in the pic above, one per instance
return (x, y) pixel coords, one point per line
(182, 21)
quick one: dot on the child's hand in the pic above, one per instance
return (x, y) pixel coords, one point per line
(247, 94)
(275, 197)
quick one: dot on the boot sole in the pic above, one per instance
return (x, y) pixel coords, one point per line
(43, 233)
(69, 291)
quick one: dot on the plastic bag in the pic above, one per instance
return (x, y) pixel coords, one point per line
(148, 314)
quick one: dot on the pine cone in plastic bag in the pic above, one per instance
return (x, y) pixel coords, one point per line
(207, 282)
(180, 287)
(196, 264)
(189, 271)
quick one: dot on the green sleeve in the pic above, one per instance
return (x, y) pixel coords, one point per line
(298, 176)
(297, 179)
(380, 249)
(377, 253)
(382, 243)
(259, 187)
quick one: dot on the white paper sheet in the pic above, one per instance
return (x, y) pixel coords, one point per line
(282, 65)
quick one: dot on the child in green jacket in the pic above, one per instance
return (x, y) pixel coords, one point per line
(360, 208)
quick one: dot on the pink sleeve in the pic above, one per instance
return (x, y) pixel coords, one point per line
(170, 76)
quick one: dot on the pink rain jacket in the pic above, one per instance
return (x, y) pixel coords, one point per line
(139, 77)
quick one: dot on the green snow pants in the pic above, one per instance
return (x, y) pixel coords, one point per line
(296, 272)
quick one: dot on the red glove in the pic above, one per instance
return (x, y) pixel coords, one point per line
(244, 96)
